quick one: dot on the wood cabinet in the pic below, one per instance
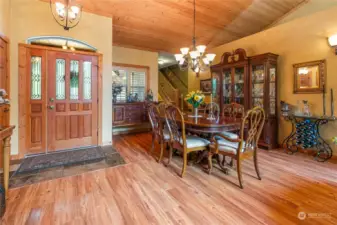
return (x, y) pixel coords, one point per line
(250, 81)
(129, 114)
(230, 79)
(263, 93)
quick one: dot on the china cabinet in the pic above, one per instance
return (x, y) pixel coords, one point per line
(230, 79)
(263, 93)
(250, 81)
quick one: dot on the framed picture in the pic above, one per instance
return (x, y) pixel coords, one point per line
(309, 77)
(206, 86)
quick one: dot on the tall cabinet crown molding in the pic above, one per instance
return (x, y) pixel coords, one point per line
(257, 82)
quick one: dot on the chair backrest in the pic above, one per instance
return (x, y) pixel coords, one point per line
(213, 110)
(162, 107)
(176, 125)
(154, 116)
(233, 110)
(254, 119)
(202, 108)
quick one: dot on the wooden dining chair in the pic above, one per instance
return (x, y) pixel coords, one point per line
(179, 139)
(158, 132)
(234, 111)
(238, 148)
(213, 110)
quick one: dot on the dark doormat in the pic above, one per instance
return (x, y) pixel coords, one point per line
(62, 164)
(64, 158)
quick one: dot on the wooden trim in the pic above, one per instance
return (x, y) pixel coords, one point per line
(100, 98)
(8, 63)
(138, 67)
(59, 49)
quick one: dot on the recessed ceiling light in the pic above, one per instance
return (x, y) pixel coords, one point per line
(161, 62)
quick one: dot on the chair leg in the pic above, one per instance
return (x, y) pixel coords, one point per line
(152, 147)
(256, 166)
(238, 165)
(210, 165)
(161, 151)
(169, 158)
(184, 164)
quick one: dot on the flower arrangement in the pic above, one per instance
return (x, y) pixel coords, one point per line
(195, 98)
(334, 140)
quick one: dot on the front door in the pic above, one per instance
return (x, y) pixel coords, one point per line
(58, 100)
(71, 101)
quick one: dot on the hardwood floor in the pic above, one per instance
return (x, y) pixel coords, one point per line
(145, 192)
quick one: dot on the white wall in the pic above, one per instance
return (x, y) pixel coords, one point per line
(142, 58)
(33, 18)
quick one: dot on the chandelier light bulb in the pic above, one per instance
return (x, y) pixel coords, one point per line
(184, 51)
(206, 61)
(194, 54)
(181, 62)
(75, 9)
(59, 5)
(178, 57)
(201, 49)
(210, 57)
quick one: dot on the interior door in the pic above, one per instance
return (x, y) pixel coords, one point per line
(71, 100)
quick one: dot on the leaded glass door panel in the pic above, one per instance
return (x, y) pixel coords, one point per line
(72, 100)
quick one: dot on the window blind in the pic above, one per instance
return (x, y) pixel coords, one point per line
(137, 84)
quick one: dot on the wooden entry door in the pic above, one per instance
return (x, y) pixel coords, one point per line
(58, 99)
(71, 100)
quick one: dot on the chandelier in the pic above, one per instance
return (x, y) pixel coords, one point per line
(66, 14)
(197, 60)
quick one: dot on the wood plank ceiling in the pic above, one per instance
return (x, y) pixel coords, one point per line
(166, 25)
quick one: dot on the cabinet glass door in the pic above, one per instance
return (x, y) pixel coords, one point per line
(227, 86)
(239, 85)
(216, 86)
(258, 85)
(272, 90)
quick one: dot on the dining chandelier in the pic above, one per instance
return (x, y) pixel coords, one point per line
(67, 14)
(197, 60)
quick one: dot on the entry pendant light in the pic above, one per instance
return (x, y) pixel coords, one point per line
(66, 13)
(196, 59)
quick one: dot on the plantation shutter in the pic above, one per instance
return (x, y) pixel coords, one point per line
(137, 84)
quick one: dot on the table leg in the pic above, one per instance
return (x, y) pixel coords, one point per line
(7, 147)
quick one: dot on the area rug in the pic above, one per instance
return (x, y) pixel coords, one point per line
(72, 163)
(64, 158)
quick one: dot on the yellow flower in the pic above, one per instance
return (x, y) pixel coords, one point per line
(197, 98)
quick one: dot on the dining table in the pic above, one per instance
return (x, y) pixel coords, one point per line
(207, 128)
(203, 125)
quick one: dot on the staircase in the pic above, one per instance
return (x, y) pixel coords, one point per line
(177, 83)
(167, 91)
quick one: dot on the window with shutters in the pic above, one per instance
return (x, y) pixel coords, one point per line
(128, 81)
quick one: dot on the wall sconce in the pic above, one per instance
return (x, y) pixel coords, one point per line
(333, 42)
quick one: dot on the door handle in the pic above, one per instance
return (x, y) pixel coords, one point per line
(50, 107)
(51, 99)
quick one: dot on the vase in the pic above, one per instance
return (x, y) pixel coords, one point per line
(195, 112)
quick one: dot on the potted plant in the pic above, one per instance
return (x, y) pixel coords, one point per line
(195, 98)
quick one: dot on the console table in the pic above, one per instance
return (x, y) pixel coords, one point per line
(5, 139)
(305, 134)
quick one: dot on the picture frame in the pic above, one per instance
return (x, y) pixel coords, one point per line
(313, 84)
(206, 86)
